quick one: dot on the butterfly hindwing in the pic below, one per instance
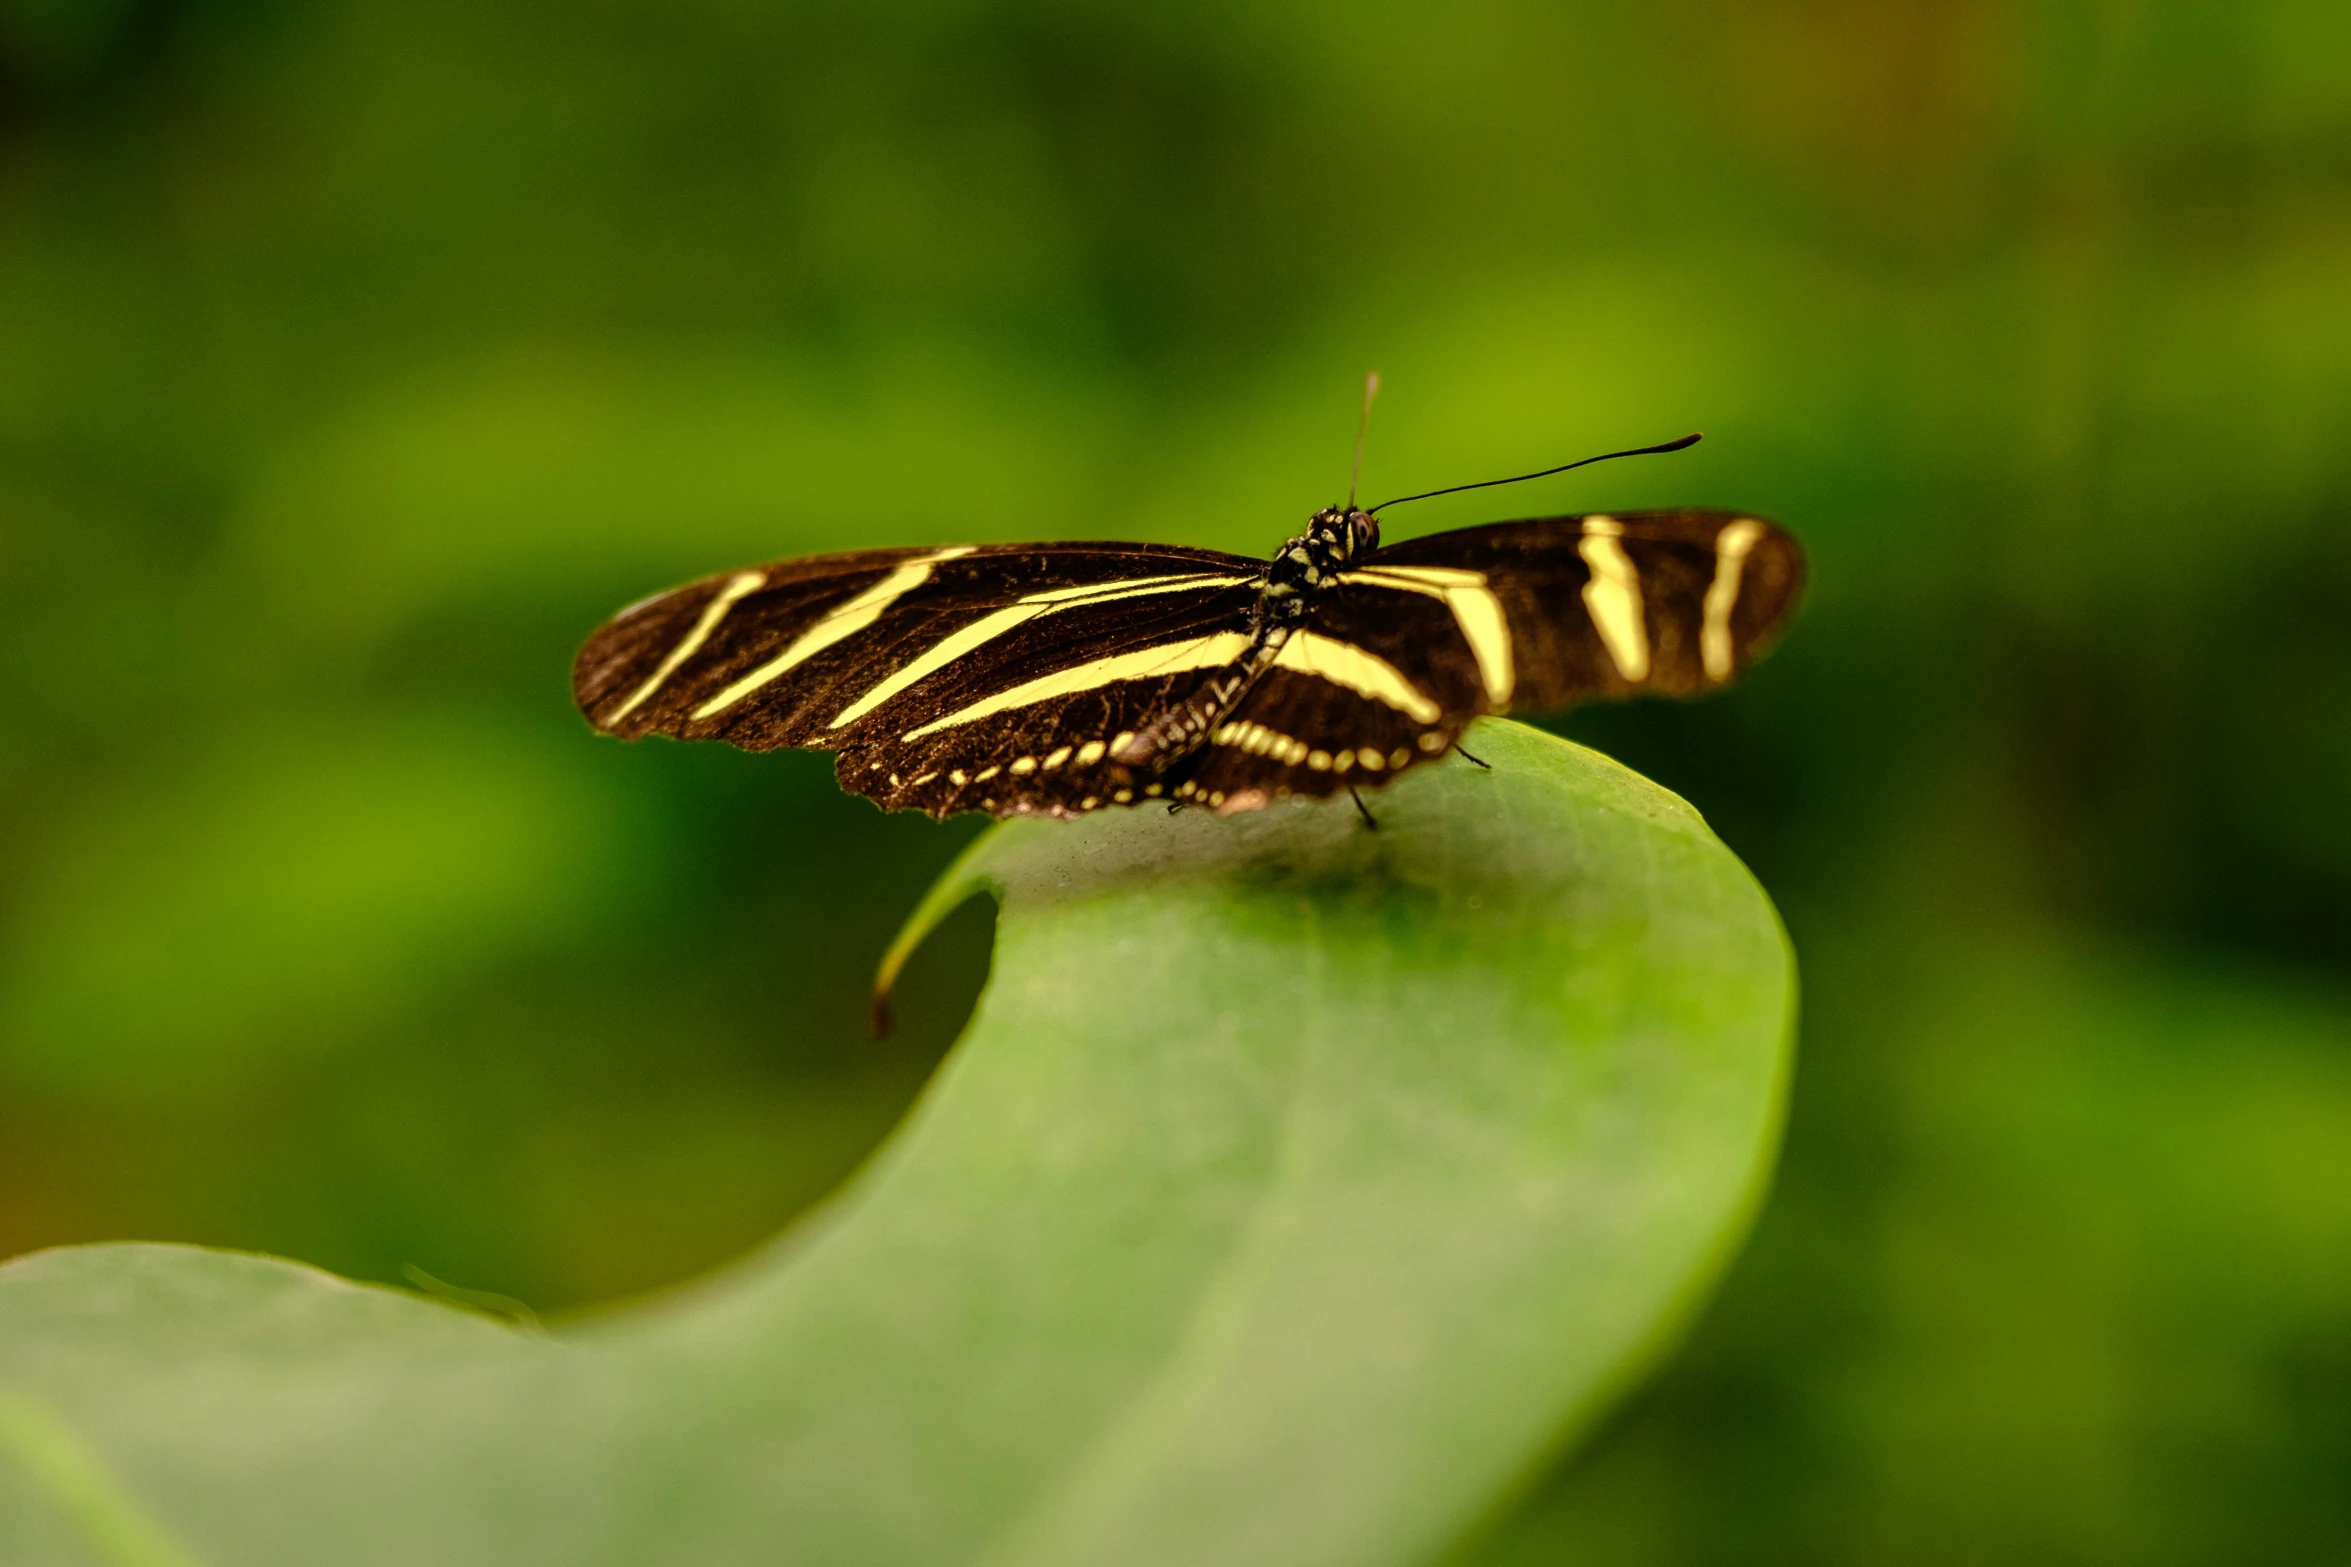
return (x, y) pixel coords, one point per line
(1301, 735)
(1370, 685)
(1038, 735)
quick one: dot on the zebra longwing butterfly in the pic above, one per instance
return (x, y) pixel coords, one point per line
(1055, 679)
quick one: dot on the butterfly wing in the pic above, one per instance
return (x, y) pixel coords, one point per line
(1032, 730)
(1352, 699)
(1560, 610)
(1417, 639)
(935, 673)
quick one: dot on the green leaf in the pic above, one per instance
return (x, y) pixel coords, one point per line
(1296, 1189)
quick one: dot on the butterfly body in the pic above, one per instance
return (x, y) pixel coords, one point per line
(1054, 680)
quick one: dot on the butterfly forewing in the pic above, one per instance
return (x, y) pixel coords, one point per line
(1659, 603)
(649, 668)
(925, 667)
(776, 655)
(1418, 639)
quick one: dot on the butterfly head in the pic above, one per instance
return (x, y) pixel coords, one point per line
(1333, 537)
(1340, 533)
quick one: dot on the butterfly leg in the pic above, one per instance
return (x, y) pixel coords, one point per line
(1488, 766)
(1369, 820)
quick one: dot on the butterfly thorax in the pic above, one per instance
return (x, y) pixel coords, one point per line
(1304, 566)
(1312, 560)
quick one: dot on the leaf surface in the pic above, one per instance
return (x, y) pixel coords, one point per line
(1295, 1189)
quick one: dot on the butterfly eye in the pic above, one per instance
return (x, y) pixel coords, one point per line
(1363, 532)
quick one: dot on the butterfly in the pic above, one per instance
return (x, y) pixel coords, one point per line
(1056, 679)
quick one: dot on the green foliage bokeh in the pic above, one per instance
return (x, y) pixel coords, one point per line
(354, 361)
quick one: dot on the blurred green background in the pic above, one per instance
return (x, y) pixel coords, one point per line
(356, 360)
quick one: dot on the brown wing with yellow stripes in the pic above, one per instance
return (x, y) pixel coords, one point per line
(1418, 639)
(992, 678)
(1560, 610)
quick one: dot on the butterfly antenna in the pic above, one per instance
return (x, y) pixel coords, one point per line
(1485, 484)
(1371, 389)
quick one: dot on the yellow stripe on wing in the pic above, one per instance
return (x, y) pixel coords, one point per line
(846, 621)
(712, 613)
(991, 626)
(1366, 674)
(1612, 597)
(1731, 547)
(1167, 658)
(1476, 611)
